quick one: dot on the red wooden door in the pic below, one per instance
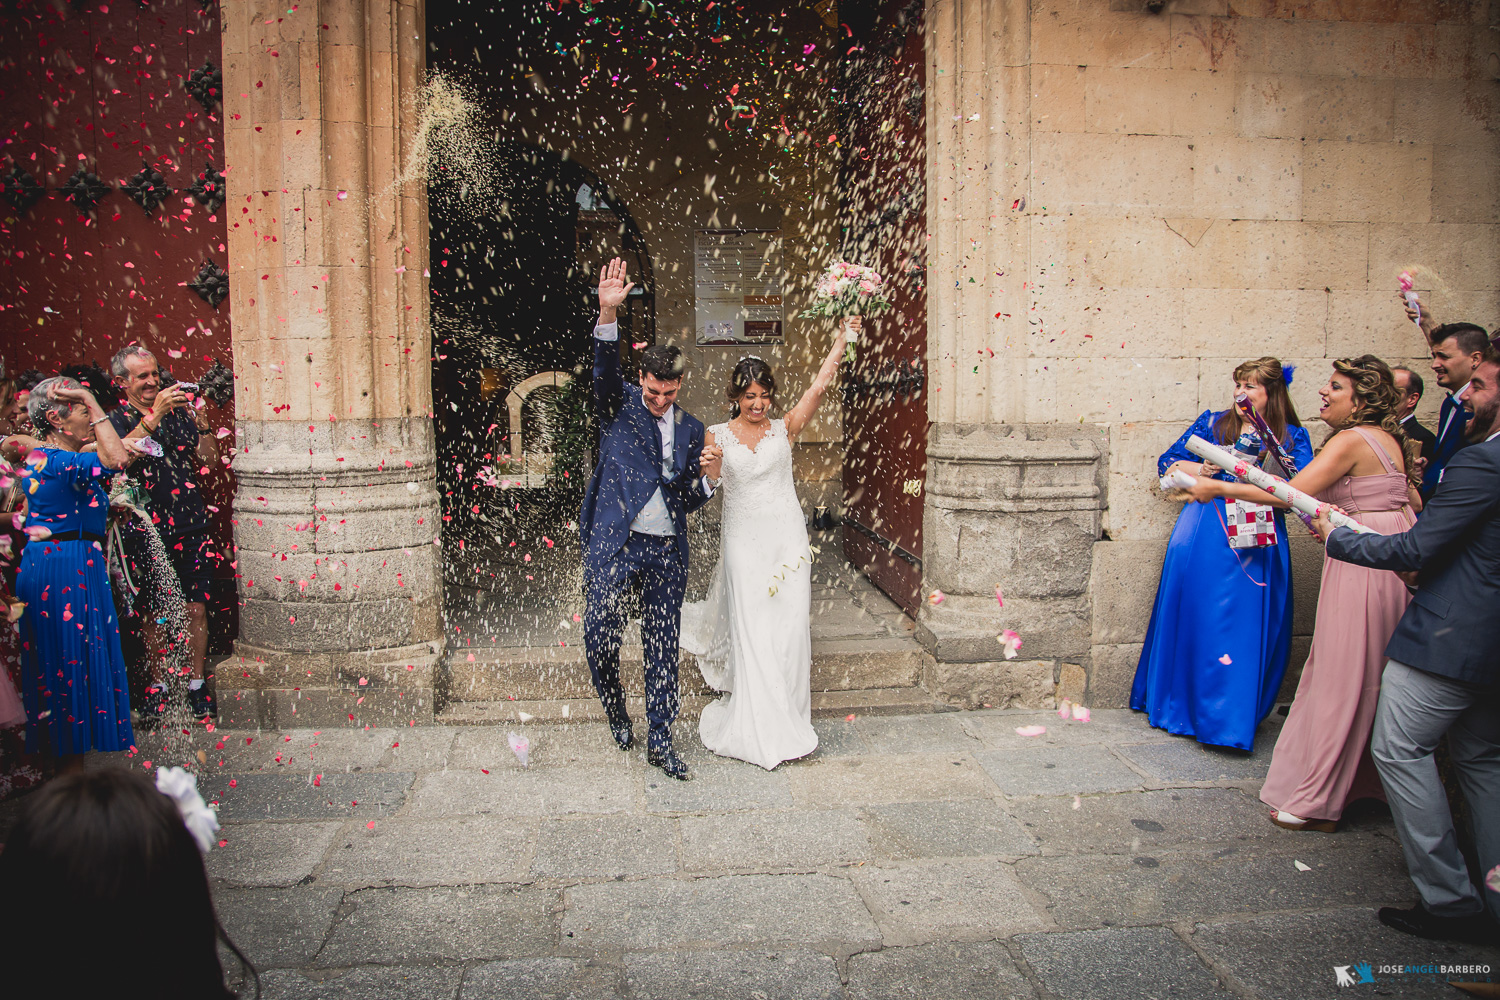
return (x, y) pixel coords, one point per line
(102, 86)
(883, 200)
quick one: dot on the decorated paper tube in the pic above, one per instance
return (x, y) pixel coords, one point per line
(1277, 487)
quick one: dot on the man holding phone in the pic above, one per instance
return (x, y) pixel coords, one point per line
(171, 448)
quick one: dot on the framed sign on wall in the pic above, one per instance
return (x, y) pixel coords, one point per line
(737, 282)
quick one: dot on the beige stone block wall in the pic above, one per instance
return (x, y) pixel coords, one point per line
(1219, 182)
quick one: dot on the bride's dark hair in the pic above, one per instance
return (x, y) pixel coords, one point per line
(748, 371)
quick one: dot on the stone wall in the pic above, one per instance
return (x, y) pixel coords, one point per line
(1129, 204)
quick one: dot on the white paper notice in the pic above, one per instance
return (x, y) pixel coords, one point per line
(737, 281)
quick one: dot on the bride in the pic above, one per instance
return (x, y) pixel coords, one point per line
(751, 635)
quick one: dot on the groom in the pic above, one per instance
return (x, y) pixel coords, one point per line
(652, 471)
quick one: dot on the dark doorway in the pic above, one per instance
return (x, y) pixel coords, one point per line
(512, 283)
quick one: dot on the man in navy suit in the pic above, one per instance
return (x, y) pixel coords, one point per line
(652, 472)
(1456, 351)
(1443, 675)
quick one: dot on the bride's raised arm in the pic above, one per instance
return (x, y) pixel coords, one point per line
(798, 416)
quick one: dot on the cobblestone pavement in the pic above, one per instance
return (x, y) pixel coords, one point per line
(929, 856)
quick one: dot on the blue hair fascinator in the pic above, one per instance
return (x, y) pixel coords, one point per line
(1286, 373)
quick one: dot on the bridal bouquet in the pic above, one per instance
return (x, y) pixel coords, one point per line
(847, 289)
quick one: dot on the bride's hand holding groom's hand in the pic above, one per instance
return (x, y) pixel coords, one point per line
(710, 461)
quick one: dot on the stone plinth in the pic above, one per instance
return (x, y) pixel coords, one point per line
(1016, 508)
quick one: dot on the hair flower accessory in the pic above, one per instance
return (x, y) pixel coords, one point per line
(1286, 373)
(181, 786)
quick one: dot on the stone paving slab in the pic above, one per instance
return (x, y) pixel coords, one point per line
(798, 840)
(413, 982)
(541, 979)
(1292, 956)
(400, 925)
(966, 828)
(1059, 770)
(997, 729)
(587, 744)
(270, 854)
(419, 749)
(1189, 760)
(605, 846)
(524, 792)
(905, 734)
(982, 970)
(277, 928)
(325, 750)
(461, 850)
(837, 738)
(1200, 883)
(733, 975)
(717, 785)
(255, 797)
(1130, 822)
(1119, 963)
(878, 779)
(961, 900)
(817, 911)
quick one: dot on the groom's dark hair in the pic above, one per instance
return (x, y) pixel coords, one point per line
(663, 361)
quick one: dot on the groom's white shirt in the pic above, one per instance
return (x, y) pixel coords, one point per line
(654, 518)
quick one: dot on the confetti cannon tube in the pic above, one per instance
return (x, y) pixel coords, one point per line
(1279, 488)
(1242, 403)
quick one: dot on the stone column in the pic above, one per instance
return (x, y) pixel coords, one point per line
(337, 511)
(1013, 500)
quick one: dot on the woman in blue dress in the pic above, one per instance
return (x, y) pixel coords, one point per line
(73, 675)
(1216, 648)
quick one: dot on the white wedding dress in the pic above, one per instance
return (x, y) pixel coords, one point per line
(751, 635)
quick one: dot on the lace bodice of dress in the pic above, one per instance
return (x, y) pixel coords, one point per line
(757, 483)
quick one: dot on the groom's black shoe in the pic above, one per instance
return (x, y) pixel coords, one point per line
(1474, 929)
(619, 728)
(668, 761)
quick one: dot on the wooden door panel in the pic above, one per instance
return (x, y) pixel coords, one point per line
(883, 208)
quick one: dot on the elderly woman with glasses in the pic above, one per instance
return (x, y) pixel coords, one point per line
(73, 675)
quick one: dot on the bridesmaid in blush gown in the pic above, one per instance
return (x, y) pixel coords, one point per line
(1322, 760)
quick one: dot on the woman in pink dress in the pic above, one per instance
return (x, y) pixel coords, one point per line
(1322, 760)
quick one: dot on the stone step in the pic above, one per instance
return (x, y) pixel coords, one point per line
(548, 673)
(825, 704)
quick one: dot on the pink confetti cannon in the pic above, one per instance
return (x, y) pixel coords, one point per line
(1274, 485)
(1410, 295)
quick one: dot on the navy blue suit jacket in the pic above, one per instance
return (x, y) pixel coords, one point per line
(629, 468)
(1449, 440)
(1451, 627)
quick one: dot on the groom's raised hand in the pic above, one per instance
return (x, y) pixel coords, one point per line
(613, 288)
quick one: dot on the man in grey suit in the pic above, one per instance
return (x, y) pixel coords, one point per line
(1443, 675)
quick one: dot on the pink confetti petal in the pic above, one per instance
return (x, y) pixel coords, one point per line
(1011, 642)
(999, 597)
(1492, 879)
(1225, 660)
(936, 597)
(1030, 730)
(521, 747)
(1080, 714)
